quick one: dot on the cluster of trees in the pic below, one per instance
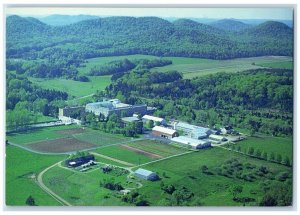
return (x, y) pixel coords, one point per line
(178, 196)
(135, 198)
(118, 67)
(113, 124)
(30, 38)
(111, 185)
(259, 100)
(25, 100)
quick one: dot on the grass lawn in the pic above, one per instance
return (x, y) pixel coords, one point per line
(281, 65)
(210, 190)
(38, 134)
(74, 88)
(192, 67)
(100, 138)
(158, 148)
(277, 145)
(83, 188)
(20, 165)
(124, 154)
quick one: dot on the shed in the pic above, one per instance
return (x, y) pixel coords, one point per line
(146, 174)
(164, 132)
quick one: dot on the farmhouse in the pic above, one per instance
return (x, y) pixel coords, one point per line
(156, 120)
(146, 174)
(164, 132)
(109, 107)
(217, 137)
(194, 143)
(79, 161)
(192, 131)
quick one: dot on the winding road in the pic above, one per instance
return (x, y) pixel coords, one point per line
(47, 190)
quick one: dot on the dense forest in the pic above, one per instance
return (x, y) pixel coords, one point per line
(60, 49)
(260, 100)
(25, 100)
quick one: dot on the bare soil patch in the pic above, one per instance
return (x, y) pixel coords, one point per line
(142, 152)
(60, 145)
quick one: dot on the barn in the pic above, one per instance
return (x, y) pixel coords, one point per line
(79, 161)
(146, 174)
(164, 132)
(194, 143)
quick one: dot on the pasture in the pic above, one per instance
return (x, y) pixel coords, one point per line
(193, 67)
(281, 65)
(74, 88)
(158, 148)
(21, 166)
(209, 189)
(277, 145)
(83, 189)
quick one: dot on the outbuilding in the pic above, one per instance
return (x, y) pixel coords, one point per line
(217, 137)
(164, 132)
(194, 143)
(146, 174)
(155, 119)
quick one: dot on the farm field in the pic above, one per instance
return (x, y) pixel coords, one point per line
(192, 67)
(281, 65)
(100, 138)
(48, 133)
(20, 166)
(125, 154)
(72, 87)
(277, 145)
(83, 188)
(185, 171)
(155, 147)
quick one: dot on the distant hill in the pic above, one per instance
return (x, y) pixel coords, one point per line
(59, 20)
(28, 37)
(229, 24)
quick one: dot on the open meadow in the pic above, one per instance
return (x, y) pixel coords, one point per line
(21, 169)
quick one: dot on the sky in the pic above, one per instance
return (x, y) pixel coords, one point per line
(217, 13)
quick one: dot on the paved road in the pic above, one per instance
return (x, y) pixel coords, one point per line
(47, 190)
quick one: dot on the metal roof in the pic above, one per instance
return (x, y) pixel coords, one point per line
(143, 172)
(189, 141)
(153, 118)
(164, 130)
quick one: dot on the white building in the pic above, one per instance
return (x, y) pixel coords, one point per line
(146, 174)
(192, 131)
(217, 137)
(194, 143)
(155, 119)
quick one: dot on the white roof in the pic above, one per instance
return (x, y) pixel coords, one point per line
(189, 141)
(193, 128)
(153, 118)
(218, 137)
(143, 172)
(164, 130)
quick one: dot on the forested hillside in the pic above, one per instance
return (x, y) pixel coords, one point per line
(260, 100)
(30, 38)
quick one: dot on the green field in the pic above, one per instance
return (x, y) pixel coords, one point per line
(210, 190)
(277, 145)
(38, 134)
(104, 60)
(20, 165)
(100, 138)
(192, 67)
(83, 188)
(155, 147)
(281, 65)
(74, 88)
(124, 154)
